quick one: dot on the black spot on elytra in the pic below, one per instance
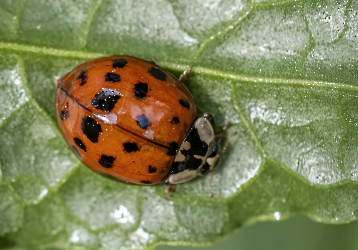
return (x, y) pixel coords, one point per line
(142, 121)
(173, 146)
(112, 77)
(83, 76)
(158, 73)
(145, 182)
(91, 128)
(130, 147)
(106, 161)
(184, 103)
(175, 120)
(75, 152)
(119, 63)
(152, 169)
(80, 143)
(106, 100)
(140, 90)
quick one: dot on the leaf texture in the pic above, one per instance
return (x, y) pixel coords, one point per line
(284, 73)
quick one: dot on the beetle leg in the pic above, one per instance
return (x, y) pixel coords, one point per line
(183, 77)
(226, 127)
(223, 130)
(169, 191)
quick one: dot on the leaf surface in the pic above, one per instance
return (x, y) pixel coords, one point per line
(284, 73)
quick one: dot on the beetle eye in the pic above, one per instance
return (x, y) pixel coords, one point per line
(209, 117)
(214, 149)
(205, 169)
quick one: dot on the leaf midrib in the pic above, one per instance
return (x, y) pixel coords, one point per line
(49, 51)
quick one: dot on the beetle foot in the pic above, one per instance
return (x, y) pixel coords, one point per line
(183, 77)
(169, 191)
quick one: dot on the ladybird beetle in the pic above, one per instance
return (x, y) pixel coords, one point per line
(130, 119)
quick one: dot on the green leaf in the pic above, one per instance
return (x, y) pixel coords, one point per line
(284, 73)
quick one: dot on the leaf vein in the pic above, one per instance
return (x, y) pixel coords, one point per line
(90, 21)
(230, 28)
(236, 107)
(21, 48)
